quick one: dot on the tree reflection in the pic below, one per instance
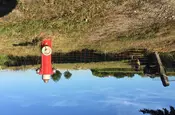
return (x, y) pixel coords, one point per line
(67, 74)
(164, 111)
(56, 76)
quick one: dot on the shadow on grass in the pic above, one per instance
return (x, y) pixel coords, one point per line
(6, 6)
(164, 111)
(26, 44)
(34, 42)
(83, 56)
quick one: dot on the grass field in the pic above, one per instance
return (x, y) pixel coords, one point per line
(103, 25)
(99, 65)
(104, 68)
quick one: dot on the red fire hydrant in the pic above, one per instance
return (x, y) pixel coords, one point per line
(46, 69)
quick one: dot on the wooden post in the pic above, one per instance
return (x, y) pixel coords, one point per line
(162, 73)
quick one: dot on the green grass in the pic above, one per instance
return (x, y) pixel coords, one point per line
(3, 59)
(103, 25)
(98, 65)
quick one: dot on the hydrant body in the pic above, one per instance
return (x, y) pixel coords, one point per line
(46, 69)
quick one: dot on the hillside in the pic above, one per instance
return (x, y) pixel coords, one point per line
(104, 25)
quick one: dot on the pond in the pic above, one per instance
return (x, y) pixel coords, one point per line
(24, 93)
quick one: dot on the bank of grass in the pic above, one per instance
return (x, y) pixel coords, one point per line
(3, 59)
(103, 25)
(77, 66)
(117, 67)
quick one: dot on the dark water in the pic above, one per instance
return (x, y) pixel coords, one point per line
(24, 93)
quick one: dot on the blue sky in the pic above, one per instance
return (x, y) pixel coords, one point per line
(24, 92)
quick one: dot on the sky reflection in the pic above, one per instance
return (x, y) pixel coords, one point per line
(24, 92)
